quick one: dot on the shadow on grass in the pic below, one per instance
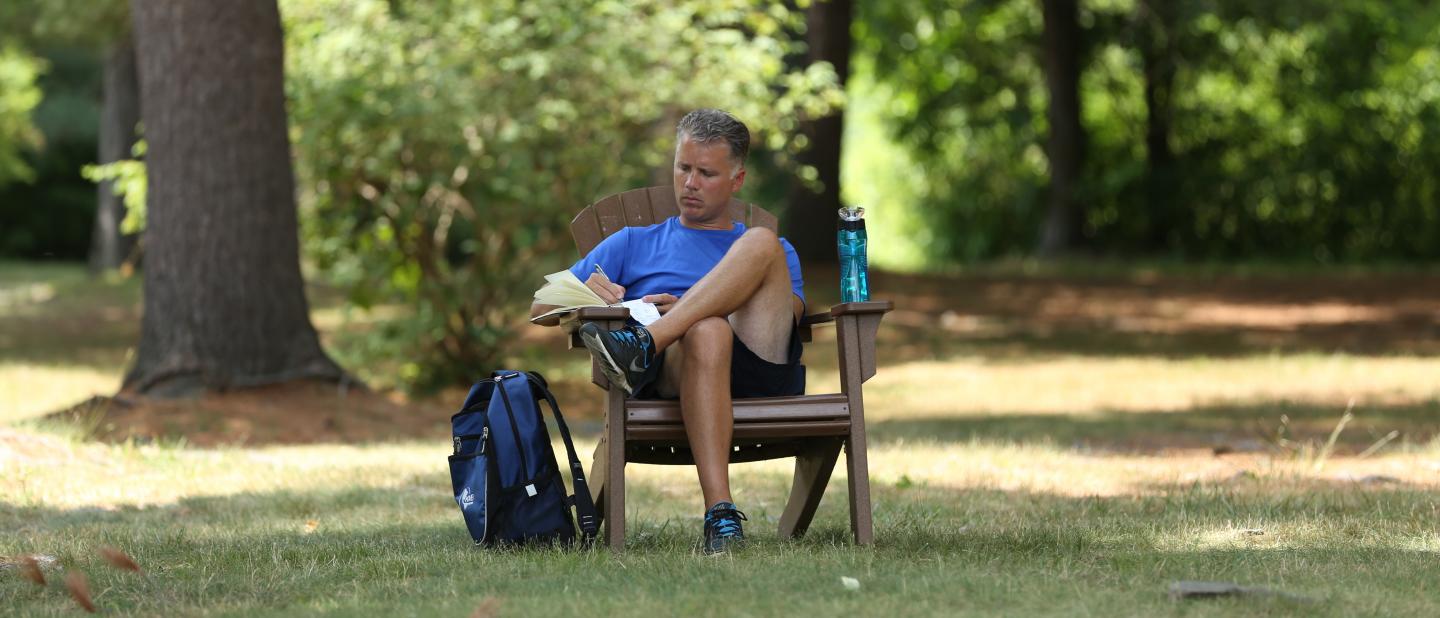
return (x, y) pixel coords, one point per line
(1240, 427)
(56, 314)
(1164, 316)
(938, 550)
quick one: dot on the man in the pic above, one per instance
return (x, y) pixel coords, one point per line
(729, 298)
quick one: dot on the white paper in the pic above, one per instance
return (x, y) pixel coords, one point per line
(643, 312)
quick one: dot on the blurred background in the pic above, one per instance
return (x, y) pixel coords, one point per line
(1189, 177)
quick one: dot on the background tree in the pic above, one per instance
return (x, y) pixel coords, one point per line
(810, 216)
(110, 245)
(224, 302)
(1065, 146)
(1156, 22)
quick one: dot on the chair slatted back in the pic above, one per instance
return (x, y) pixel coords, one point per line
(648, 206)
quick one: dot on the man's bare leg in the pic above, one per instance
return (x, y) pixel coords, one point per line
(705, 404)
(754, 263)
(748, 294)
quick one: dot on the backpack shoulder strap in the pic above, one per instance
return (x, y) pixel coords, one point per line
(585, 512)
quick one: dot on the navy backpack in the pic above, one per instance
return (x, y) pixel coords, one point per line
(503, 469)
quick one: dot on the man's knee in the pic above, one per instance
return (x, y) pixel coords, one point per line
(707, 337)
(761, 233)
(764, 239)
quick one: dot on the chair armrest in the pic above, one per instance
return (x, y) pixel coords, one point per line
(817, 318)
(570, 322)
(595, 314)
(874, 306)
(826, 317)
(871, 306)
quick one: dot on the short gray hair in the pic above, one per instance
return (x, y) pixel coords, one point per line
(711, 125)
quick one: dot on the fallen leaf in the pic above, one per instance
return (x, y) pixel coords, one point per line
(30, 569)
(119, 560)
(311, 526)
(850, 583)
(80, 590)
(489, 608)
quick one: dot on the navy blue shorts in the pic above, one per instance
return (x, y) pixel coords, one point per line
(752, 376)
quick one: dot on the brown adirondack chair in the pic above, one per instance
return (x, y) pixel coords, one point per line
(810, 428)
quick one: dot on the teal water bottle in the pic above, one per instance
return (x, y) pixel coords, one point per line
(850, 239)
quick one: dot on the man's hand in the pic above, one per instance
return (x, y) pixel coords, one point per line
(662, 302)
(609, 291)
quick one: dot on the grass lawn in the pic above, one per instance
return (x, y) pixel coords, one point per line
(1041, 446)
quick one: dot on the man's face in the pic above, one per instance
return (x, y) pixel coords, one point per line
(705, 178)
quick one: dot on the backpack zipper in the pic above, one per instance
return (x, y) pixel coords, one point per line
(484, 436)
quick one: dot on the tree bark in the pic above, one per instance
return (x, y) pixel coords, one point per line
(224, 301)
(120, 112)
(1157, 52)
(1065, 217)
(810, 219)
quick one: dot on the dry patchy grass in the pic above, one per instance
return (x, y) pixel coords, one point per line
(1040, 446)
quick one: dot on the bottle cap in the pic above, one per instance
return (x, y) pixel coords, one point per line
(849, 213)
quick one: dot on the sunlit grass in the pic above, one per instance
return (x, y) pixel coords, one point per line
(1079, 385)
(28, 390)
(1022, 483)
(971, 529)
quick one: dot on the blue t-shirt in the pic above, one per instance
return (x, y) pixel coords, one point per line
(668, 258)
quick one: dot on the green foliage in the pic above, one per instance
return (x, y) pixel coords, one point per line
(962, 91)
(18, 97)
(129, 182)
(83, 23)
(1299, 130)
(50, 215)
(443, 149)
(1297, 133)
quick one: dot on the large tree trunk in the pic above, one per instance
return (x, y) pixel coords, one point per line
(119, 114)
(1157, 52)
(810, 218)
(224, 302)
(1065, 218)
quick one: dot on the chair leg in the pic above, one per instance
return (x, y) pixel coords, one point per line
(812, 475)
(598, 472)
(859, 473)
(615, 475)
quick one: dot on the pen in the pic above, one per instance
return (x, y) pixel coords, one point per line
(601, 271)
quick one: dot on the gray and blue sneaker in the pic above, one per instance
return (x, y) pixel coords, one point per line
(723, 531)
(626, 356)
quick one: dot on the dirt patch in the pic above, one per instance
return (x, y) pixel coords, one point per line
(292, 413)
